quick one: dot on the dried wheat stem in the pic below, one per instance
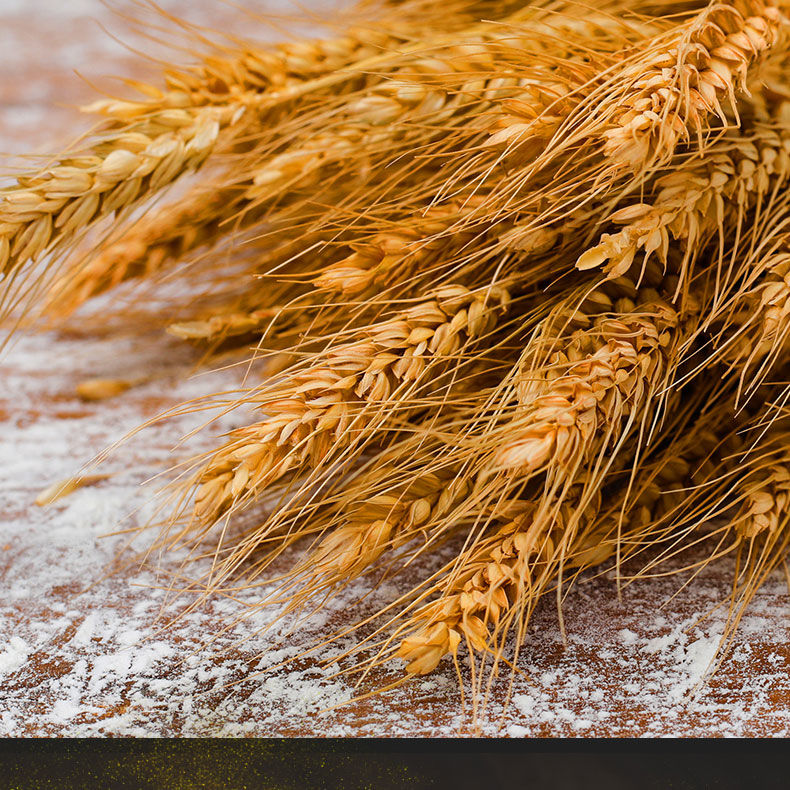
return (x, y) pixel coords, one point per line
(542, 104)
(222, 83)
(199, 219)
(750, 323)
(249, 74)
(524, 124)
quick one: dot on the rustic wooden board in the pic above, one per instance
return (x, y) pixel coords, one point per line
(82, 653)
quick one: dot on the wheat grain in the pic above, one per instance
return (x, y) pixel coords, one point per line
(65, 487)
(101, 389)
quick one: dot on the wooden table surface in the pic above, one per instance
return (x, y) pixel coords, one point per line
(81, 652)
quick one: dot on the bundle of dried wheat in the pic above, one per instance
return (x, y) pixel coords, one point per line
(488, 248)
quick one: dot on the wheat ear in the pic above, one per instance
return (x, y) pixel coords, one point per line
(688, 76)
(602, 380)
(44, 211)
(696, 200)
(331, 404)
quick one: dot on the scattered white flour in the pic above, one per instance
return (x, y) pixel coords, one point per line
(14, 655)
(83, 655)
(627, 636)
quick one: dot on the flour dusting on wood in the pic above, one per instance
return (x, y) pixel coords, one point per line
(84, 655)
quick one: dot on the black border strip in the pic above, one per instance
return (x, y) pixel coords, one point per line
(390, 764)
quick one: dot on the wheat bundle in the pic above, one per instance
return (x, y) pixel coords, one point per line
(488, 249)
